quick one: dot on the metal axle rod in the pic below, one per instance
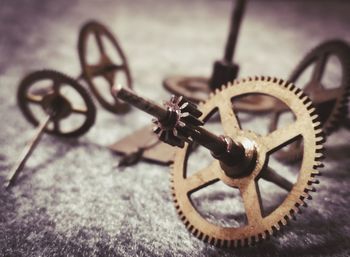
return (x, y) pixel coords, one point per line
(27, 152)
(222, 148)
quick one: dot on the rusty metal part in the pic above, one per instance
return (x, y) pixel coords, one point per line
(226, 70)
(259, 226)
(27, 151)
(188, 129)
(55, 100)
(181, 113)
(55, 105)
(160, 153)
(331, 104)
(105, 67)
(197, 89)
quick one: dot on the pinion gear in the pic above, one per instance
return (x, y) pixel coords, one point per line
(181, 115)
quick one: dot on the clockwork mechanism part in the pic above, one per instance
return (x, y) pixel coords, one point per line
(55, 103)
(240, 158)
(47, 90)
(330, 102)
(107, 66)
(257, 152)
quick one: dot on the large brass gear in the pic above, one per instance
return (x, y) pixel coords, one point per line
(259, 227)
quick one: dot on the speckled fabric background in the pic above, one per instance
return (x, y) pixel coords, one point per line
(72, 200)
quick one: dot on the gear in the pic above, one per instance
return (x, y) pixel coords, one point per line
(54, 103)
(105, 67)
(181, 114)
(331, 104)
(259, 226)
(195, 89)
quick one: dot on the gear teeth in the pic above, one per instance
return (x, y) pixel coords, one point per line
(312, 111)
(319, 148)
(298, 92)
(315, 173)
(283, 83)
(276, 227)
(314, 181)
(305, 196)
(284, 221)
(318, 165)
(271, 231)
(300, 202)
(305, 191)
(200, 236)
(320, 139)
(318, 125)
(340, 49)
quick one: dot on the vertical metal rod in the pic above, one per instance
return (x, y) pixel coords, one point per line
(27, 152)
(236, 18)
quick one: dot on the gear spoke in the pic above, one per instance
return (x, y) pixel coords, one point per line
(326, 95)
(252, 201)
(94, 70)
(100, 45)
(56, 125)
(115, 67)
(202, 178)
(54, 101)
(271, 175)
(35, 99)
(320, 67)
(110, 78)
(56, 86)
(79, 110)
(104, 65)
(228, 117)
(281, 137)
(274, 121)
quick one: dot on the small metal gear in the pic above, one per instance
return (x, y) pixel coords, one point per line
(51, 99)
(259, 227)
(182, 113)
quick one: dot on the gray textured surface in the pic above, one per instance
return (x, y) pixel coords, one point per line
(72, 201)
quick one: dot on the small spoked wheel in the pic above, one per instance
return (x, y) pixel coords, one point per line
(105, 67)
(46, 90)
